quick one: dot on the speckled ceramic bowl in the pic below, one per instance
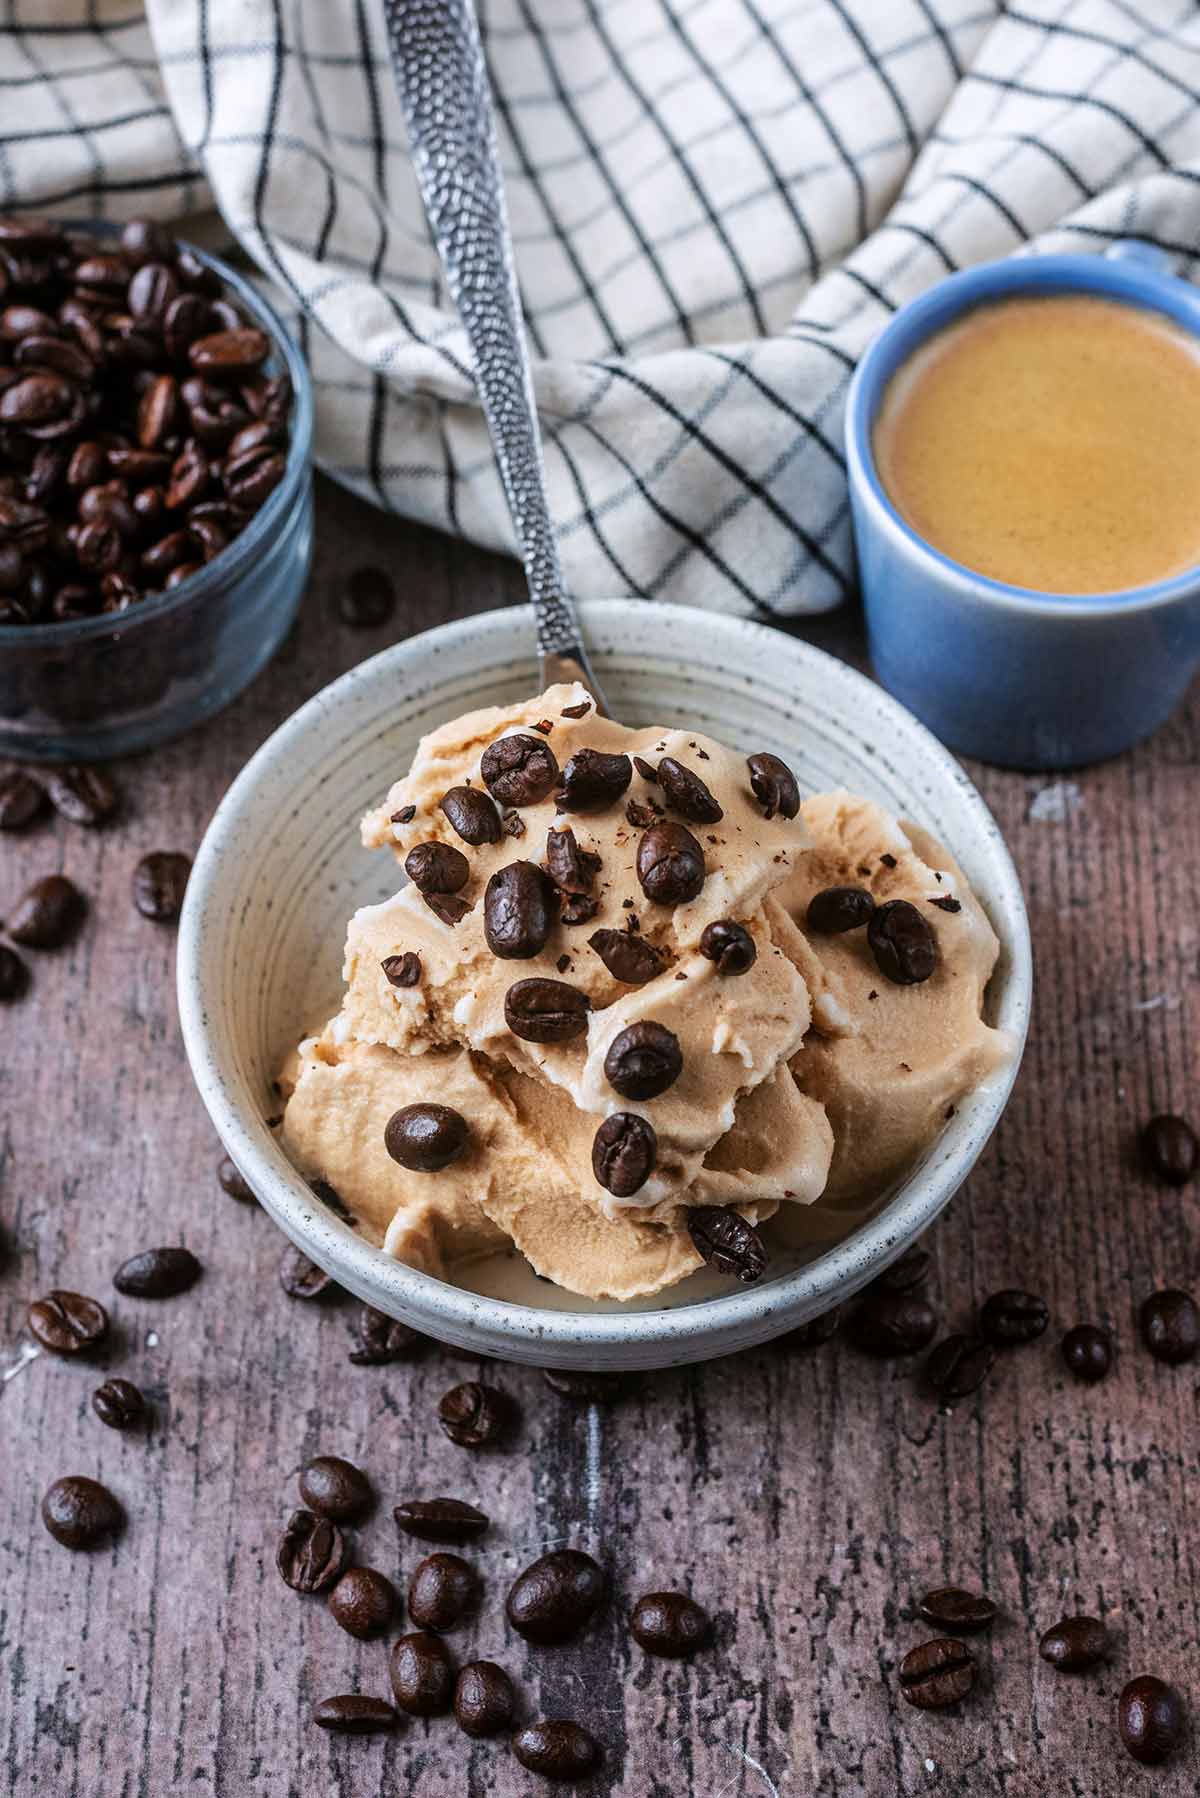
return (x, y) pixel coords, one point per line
(281, 869)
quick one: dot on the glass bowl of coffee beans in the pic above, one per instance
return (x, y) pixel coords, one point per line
(155, 486)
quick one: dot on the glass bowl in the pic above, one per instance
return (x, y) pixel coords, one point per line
(99, 687)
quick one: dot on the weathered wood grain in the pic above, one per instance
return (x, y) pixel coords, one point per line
(806, 1499)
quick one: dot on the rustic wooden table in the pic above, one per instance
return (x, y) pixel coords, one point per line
(807, 1499)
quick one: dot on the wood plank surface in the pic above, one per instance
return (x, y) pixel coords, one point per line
(807, 1499)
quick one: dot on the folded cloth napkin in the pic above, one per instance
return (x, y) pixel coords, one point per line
(716, 204)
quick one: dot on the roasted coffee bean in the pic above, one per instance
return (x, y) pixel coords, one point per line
(119, 1404)
(1087, 1351)
(959, 1365)
(517, 914)
(628, 957)
(546, 1011)
(893, 1323)
(312, 1553)
(670, 864)
(952, 1608)
(21, 799)
(81, 1513)
(68, 1323)
(440, 1519)
(158, 412)
(354, 1714)
(572, 869)
(839, 909)
(730, 945)
(422, 1675)
(727, 1241)
(253, 477)
(518, 770)
(909, 1271)
(42, 405)
(484, 1699)
(586, 1388)
(302, 1278)
(1170, 1325)
(402, 970)
(936, 1674)
(191, 473)
(442, 1591)
(82, 795)
(813, 1334)
(556, 1748)
(593, 780)
(556, 1596)
(426, 1138)
(207, 536)
(1013, 1316)
(1150, 1717)
(1170, 1148)
(99, 549)
(624, 1152)
(157, 1273)
(363, 1602)
(14, 976)
(473, 1415)
(902, 942)
(472, 814)
(686, 793)
(335, 1489)
(159, 883)
(368, 598)
(232, 1181)
(643, 1060)
(774, 785)
(1075, 1644)
(186, 318)
(382, 1340)
(449, 908)
(669, 1624)
(234, 352)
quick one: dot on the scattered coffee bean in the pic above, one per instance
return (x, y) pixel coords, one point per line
(670, 864)
(518, 770)
(938, 1673)
(81, 1513)
(335, 1489)
(624, 1152)
(421, 1674)
(1087, 1352)
(68, 1323)
(353, 1714)
(402, 970)
(839, 909)
(473, 1415)
(1013, 1316)
(312, 1553)
(437, 867)
(1170, 1148)
(443, 1590)
(546, 1011)
(47, 915)
(119, 1404)
(367, 600)
(159, 883)
(82, 795)
(472, 814)
(484, 1699)
(21, 799)
(302, 1278)
(14, 976)
(440, 1519)
(902, 942)
(592, 781)
(959, 1365)
(232, 1182)
(1075, 1644)
(1170, 1326)
(572, 869)
(813, 1334)
(669, 1624)
(157, 1273)
(952, 1608)
(774, 785)
(686, 793)
(628, 957)
(586, 1388)
(556, 1596)
(888, 1324)
(556, 1748)
(643, 1060)
(381, 1339)
(363, 1602)
(1150, 1718)
(426, 1138)
(517, 911)
(908, 1272)
(730, 945)
(727, 1241)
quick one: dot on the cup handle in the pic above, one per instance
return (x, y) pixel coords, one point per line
(1131, 249)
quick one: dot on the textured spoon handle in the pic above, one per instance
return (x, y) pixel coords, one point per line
(443, 83)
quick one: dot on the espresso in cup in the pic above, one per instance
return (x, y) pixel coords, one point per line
(1050, 442)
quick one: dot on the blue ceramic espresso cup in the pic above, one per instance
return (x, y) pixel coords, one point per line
(1017, 677)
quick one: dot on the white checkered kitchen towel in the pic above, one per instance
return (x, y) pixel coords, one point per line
(716, 204)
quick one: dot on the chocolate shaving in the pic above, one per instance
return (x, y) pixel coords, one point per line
(945, 903)
(447, 906)
(577, 711)
(639, 815)
(646, 769)
(889, 861)
(513, 823)
(402, 970)
(544, 725)
(405, 815)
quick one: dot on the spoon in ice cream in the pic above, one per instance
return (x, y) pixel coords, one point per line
(442, 77)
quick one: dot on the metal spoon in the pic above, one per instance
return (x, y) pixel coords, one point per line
(443, 82)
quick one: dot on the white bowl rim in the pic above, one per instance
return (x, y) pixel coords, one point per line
(745, 1315)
